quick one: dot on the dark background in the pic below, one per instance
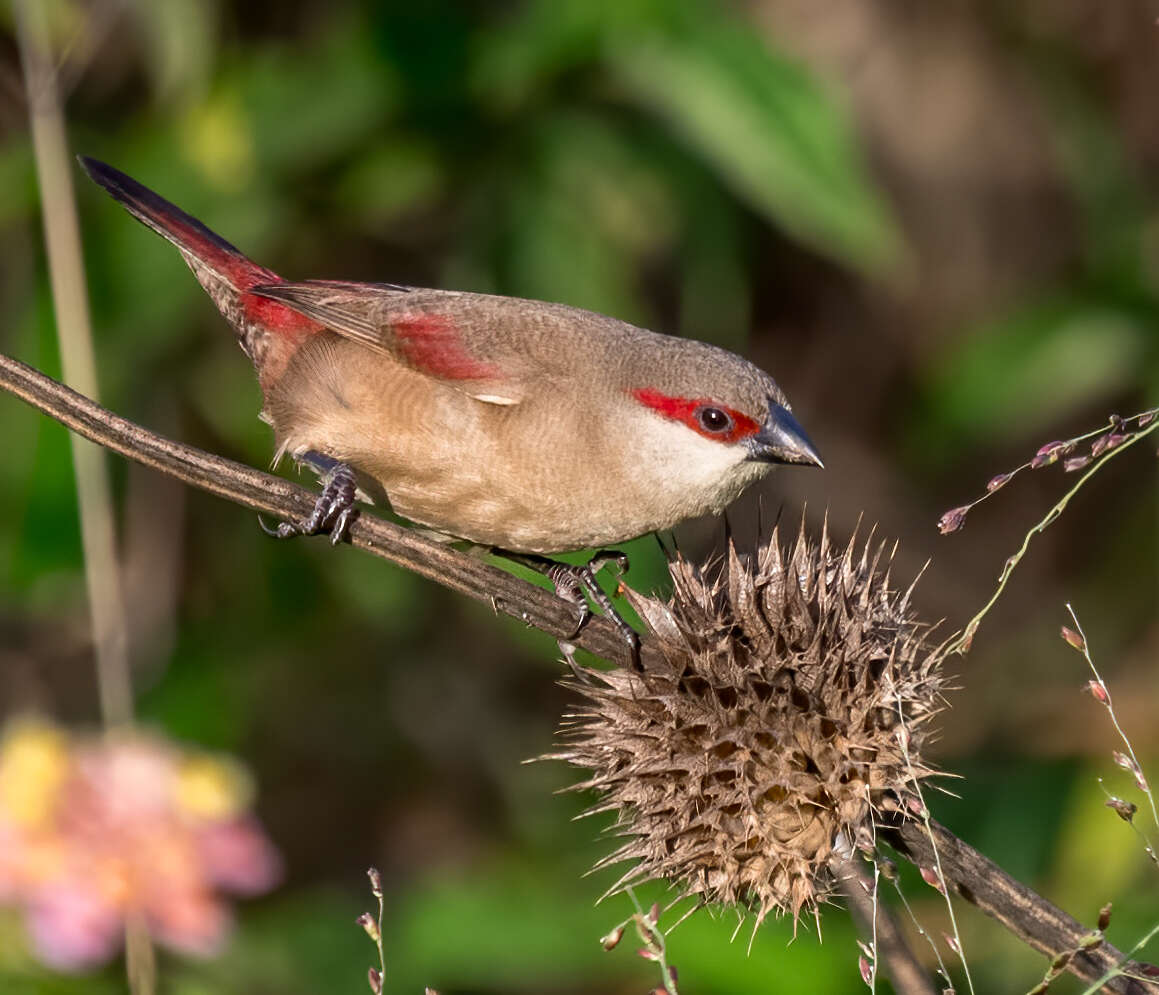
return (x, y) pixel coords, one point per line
(936, 224)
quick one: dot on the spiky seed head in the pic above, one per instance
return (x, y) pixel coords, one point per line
(786, 711)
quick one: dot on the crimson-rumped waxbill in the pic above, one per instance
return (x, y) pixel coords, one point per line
(530, 427)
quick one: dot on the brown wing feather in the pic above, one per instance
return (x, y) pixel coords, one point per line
(411, 330)
(341, 307)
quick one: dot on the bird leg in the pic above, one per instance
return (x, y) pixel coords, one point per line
(576, 582)
(335, 509)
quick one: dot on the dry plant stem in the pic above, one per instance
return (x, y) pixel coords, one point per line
(70, 302)
(74, 332)
(274, 496)
(903, 739)
(1029, 916)
(963, 641)
(1110, 707)
(655, 944)
(874, 919)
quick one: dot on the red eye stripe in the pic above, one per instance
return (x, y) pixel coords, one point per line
(684, 409)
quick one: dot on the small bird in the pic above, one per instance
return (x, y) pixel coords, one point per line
(521, 426)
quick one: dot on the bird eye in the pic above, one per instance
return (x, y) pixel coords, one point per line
(714, 420)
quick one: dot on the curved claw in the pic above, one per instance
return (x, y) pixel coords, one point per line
(340, 530)
(333, 512)
(570, 588)
(603, 557)
(576, 583)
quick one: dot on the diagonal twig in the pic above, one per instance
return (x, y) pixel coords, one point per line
(1030, 917)
(275, 496)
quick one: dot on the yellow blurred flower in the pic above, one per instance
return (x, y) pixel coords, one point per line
(213, 788)
(97, 829)
(34, 762)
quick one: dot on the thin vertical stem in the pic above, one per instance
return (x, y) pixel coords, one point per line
(70, 302)
(74, 332)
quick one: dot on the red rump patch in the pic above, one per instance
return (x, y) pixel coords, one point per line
(432, 344)
(687, 409)
(278, 318)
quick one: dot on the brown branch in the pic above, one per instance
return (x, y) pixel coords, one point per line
(284, 500)
(1030, 917)
(1027, 915)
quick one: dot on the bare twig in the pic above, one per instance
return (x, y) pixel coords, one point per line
(1030, 917)
(274, 496)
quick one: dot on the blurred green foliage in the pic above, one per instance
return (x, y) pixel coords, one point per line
(677, 163)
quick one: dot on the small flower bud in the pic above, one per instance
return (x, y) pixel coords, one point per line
(1090, 941)
(1124, 809)
(930, 876)
(1104, 917)
(1104, 443)
(374, 976)
(653, 916)
(611, 940)
(953, 519)
(866, 970)
(647, 954)
(1098, 691)
(999, 481)
(375, 882)
(1047, 454)
(952, 943)
(1072, 638)
(1129, 764)
(366, 921)
(1146, 418)
(1075, 463)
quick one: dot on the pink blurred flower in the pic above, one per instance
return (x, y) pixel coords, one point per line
(94, 831)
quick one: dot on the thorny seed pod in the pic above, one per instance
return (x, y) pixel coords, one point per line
(767, 735)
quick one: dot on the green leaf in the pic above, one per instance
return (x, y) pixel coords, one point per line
(767, 126)
(1016, 377)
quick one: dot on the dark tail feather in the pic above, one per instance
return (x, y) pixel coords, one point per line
(183, 230)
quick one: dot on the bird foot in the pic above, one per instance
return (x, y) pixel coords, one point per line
(575, 583)
(334, 511)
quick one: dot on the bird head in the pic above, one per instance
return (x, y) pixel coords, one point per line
(711, 423)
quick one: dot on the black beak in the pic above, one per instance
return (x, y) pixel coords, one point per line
(782, 440)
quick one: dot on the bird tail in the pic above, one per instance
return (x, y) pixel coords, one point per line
(203, 249)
